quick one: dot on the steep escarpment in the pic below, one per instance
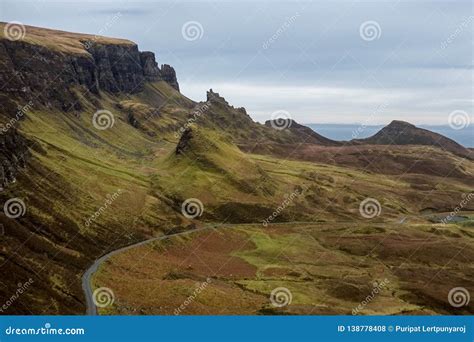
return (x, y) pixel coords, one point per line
(53, 70)
(76, 191)
(58, 73)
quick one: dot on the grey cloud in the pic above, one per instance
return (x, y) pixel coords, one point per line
(422, 60)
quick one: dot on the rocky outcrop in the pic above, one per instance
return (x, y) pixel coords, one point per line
(169, 75)
(184, 141)
(216, 98)
(13, 155)
(152, 72)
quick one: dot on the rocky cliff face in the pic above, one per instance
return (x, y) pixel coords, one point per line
(52, 75)
(56, 70)
(169, 75)
(152, 72)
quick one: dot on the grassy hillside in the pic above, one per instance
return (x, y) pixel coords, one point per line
(87, 191)
(75, 169)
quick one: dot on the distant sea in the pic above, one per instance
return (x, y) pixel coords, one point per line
(463, 136)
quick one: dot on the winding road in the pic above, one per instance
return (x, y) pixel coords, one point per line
(91, 308)
(87, 276)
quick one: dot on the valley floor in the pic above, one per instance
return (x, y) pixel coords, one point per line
(295, 268)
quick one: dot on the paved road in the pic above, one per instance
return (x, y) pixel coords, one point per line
(87, 277)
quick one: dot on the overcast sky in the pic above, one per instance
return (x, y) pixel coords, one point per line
(321, 61)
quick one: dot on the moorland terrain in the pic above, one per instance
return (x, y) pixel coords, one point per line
(100, 150)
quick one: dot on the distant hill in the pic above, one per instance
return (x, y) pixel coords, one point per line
(308, 134)
(404, 133)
